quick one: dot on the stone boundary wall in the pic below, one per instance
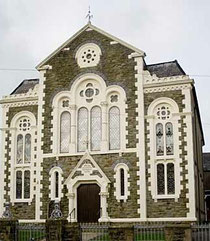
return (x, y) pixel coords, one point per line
(61, 230)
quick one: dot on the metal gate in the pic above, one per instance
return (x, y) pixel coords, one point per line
(94, 232)
(31, 232)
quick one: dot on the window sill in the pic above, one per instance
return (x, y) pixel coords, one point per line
(128, 150)
(159, 197)
(28, 201)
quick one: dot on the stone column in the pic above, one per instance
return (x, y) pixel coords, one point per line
(54, 229)
(104, 215)
(73, 129)
(71, 197)
(122, 233)
(181, 232)
(104, 134)
(8, 229)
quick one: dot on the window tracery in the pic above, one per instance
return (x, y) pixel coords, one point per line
(88, 55)
(94, 122)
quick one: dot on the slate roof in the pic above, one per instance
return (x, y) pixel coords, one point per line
(166, 69)
(25, 86)
(206, 161)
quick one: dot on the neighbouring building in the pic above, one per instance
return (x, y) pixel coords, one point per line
(108, 136)
(206, 175)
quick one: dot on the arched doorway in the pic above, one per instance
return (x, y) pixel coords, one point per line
(88, 203)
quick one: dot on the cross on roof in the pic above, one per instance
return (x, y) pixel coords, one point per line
(89, 15)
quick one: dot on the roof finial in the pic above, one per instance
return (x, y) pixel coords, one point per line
(89, 16)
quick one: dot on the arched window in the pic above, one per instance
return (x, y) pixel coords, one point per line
(163, 119)
(82, 136)
(164, 139)
(114, 128)
(159, 139)
(56, 180)
(24, 152)
(65, 129)
(19, 155)
(56, 184)
(23, 148)
(169, 139)
(95, 128)
(122, 182)
(27, 151)
(165, 179)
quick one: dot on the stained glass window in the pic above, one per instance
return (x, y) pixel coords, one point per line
(170, 178)
(56, 184)
(122, 182)
(19, 157)
(169, 139)
(159, 140)
(27, 151)
(65, 132)
(82, 138)
(27, 184)
(114, 128)
(160, 179)
(19, 184)
(95, 128)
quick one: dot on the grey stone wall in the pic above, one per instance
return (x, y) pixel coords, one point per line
(106, 162)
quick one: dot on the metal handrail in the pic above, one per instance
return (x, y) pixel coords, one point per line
(100, 212)
(72, 212)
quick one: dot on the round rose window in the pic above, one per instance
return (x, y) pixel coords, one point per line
(88, 55)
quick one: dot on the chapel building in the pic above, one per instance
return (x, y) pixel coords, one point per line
(107, 136)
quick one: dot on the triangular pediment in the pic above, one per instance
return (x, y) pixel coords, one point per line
(89, 27)
(87, 167)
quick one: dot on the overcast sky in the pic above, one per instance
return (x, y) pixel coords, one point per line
(165, 29)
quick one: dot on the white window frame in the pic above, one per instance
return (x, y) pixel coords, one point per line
(52, 184)
(165, 163)
(21, 200)
(117, 183)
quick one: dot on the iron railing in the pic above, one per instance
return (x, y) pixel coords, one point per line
(94, 232)
(72, 215)
(31, 232)
(149, 232)
(201, 232)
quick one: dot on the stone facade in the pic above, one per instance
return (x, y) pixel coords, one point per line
(121, 70)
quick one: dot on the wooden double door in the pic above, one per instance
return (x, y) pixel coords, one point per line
(88, 203)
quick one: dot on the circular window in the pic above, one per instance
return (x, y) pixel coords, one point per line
(88, 55)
